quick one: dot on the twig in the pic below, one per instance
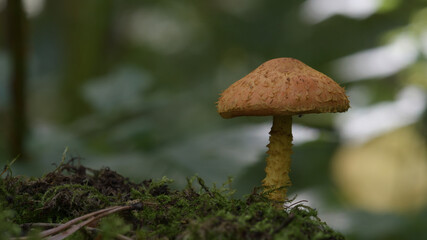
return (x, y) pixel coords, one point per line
(76, 227)
(73, 225)
(73, 221)
(47, 225)
(71, 230)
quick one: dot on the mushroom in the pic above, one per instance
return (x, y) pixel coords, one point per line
(281, 87)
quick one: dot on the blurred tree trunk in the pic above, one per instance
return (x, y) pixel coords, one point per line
(86, 33)
(17, 42)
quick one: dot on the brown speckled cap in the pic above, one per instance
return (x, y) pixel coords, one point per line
(282, 86)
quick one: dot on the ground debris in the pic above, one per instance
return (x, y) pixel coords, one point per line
(157, 211)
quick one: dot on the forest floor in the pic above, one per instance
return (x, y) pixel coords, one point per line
(76, 202)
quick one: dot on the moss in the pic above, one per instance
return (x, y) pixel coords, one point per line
(8, 228)
(195, 212)
(69, 200)
(110, 226)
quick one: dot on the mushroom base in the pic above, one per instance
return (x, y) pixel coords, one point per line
(279, 158)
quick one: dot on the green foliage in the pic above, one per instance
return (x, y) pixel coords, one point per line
(111, 226)
(34, 234)
(8, 229)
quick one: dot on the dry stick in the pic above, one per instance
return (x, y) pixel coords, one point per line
(71, 222)
(49, 225)
(61, 227)
(92, 216)
(71, 230)
(100, 213)
(76, 227)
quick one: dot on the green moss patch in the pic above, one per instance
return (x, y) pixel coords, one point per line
(195, 212)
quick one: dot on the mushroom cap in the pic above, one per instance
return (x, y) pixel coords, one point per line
(282, 86)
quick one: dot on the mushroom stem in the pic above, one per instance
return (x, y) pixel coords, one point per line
(279, 157)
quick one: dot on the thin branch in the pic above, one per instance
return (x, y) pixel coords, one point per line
(71, 230)
(76, 227)
(64, 230)
(50, 225)
(72, 222)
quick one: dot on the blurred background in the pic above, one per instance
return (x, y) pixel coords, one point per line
(132, 85)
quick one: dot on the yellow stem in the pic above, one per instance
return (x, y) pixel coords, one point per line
(279, 157)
